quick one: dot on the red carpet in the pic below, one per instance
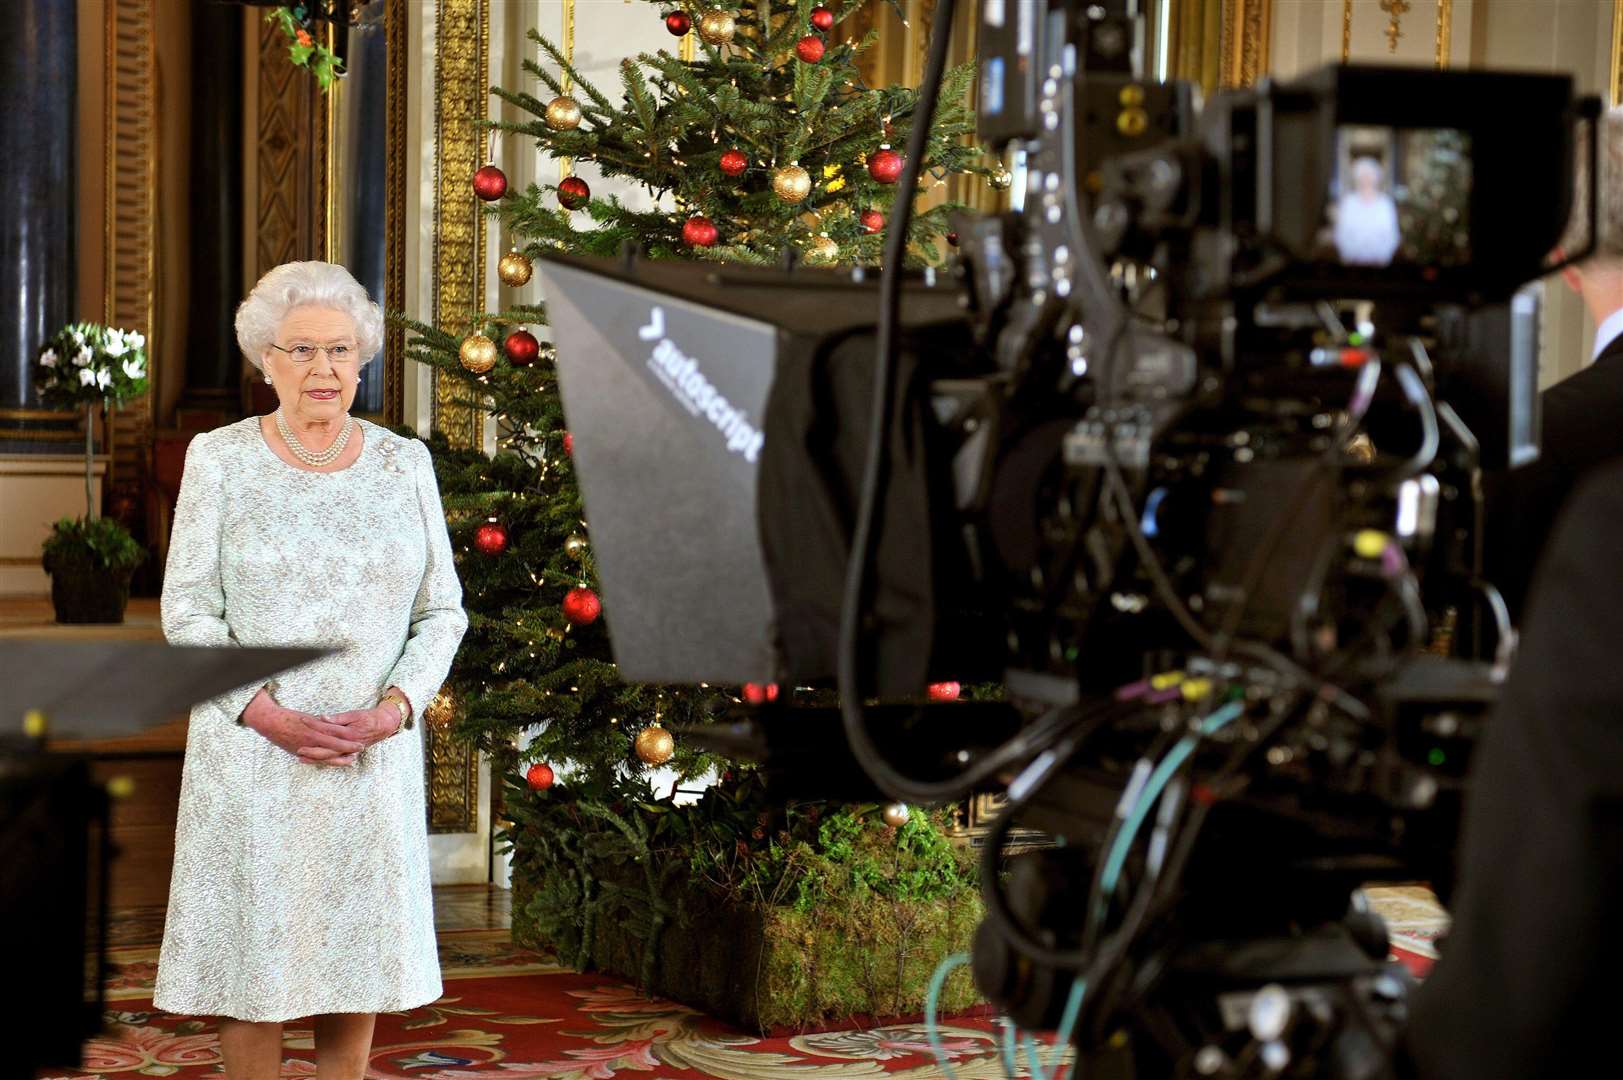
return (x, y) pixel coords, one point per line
(507, 1012)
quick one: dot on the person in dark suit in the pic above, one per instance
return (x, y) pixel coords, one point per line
(1583, 414)
(1526, 986)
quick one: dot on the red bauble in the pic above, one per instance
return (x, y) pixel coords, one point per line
(678, 23)
(569, 443)
(809, 48)
(872, 221)
(699, 232)
(885, 165)
(491, 538)
(822, 18)
(490, 183)
(944, 691)
(539, 776)
(733, 162)
(581, 606)
(522, 347)
(573, 193)
(760, 693)
(952, 238)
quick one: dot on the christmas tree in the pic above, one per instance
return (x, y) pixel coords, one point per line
(767, 139)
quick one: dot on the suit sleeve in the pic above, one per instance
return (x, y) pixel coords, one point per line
(437, 619)
(192, 610)
(1525, 986)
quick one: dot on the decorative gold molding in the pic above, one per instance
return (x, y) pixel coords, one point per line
(1245, 41)
(131, 164)
(461, 89)
(1615, 82)
(461, 94)
(1445, 31)
(566, 165)
(394, 213)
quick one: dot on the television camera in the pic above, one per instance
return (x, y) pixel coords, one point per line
(1187, 455)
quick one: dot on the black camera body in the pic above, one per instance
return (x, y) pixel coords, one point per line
(1187, 454)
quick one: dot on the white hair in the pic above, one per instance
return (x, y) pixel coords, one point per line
(1364, 165)
(306, 284)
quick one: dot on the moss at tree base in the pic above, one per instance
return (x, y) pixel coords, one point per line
(769, 969)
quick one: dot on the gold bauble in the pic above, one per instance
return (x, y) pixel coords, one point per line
(896, 815)
(1001, 180)
(514, 269)
(717, 26)
(478, 353)
(822, 250)
(654, 745)
(791, 183)
(563, 113)
(575, 546)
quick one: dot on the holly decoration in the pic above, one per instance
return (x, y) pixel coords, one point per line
(760, 693)
(581, 606)
(491, 538)
(885, 165)
(872, 221)
(489, 183)
(810, 48)
(574, 193)
(539, 776)
(733, 162)
(945, 691)
(822, 18)
(521, 347)
(699, 232)
(678, 23)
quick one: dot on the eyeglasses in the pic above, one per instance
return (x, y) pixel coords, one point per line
(304, 352)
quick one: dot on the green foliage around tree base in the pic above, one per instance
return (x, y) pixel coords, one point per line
(767, 915)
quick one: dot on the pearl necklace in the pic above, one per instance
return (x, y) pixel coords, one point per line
(327, 456)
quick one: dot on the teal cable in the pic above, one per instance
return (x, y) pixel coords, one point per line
(1152, 791)
(931, 1002)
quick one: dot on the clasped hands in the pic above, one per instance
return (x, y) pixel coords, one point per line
(320, 740)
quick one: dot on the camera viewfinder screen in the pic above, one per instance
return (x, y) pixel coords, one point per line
(1398, 197)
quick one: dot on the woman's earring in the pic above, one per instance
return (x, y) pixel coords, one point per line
(267, 378)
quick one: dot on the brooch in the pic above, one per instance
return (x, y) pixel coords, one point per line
(390, 462)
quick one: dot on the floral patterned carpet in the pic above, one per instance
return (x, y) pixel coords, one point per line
(508, 1012)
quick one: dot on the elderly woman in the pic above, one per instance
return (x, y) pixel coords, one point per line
(301, 879)
(1367, 218)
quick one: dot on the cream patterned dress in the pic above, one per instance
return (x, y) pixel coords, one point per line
(304, 889)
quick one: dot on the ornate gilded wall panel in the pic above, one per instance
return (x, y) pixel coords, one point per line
(461, 96)
(394, 410)
(131, 139)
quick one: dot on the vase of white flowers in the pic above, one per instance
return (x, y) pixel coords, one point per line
(85, 365)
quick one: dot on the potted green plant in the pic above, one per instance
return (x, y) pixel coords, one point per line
(90, 559)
